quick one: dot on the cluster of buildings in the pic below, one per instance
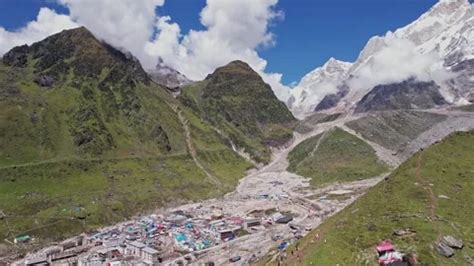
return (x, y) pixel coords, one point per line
(154, 239)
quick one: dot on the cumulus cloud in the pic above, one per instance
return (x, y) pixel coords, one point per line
(47, 23)
(234, 30)
(126, 24)
(398, 60)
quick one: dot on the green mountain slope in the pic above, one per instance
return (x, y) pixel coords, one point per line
(430, 194)
(334, 156)
(76, 97)
(87, 139)
(236, 100)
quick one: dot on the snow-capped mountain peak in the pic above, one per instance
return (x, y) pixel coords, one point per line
(332, 69)
(314, 85)
(439, 42)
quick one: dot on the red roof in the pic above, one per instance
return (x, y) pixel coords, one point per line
(385, 246)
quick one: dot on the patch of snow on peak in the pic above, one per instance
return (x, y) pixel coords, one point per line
(425, 49)
(316, 84)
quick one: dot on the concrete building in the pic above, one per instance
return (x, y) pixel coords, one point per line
(150, 255)
(134, 249)
(251, 223)
(37, 261)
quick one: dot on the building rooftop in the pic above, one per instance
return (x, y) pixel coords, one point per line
(36, 260)
(150, 250)
(137, 244)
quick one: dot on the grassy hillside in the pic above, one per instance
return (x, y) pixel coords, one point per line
(334, 156)
(86, 139)
(430, 194)
(393, 129)
(71, 96)
(236, 100)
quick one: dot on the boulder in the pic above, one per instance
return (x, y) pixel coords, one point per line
(444, 250)
(44, 81)
(452, 242)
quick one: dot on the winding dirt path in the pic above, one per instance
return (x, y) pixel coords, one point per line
(192, 151)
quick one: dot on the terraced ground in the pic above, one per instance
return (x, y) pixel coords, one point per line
(394, 129)
(335, 156)
(430, 195)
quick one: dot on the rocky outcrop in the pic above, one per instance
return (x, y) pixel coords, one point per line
(331, 100)
(444, 250)
(409, 94)
(446, 247)
(17, 56)
(452, 242)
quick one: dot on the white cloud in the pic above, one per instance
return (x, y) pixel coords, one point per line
(127, 24)
(234, 30)
(47, 23)
(398, 60)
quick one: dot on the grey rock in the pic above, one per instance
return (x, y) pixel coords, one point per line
(332, 100)
(444, 250)
(452, 242)
(17, 56)
(44, 81)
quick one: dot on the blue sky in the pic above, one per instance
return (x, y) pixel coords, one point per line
(311, 32)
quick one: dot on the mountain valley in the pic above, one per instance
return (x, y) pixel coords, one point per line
(104, 161)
